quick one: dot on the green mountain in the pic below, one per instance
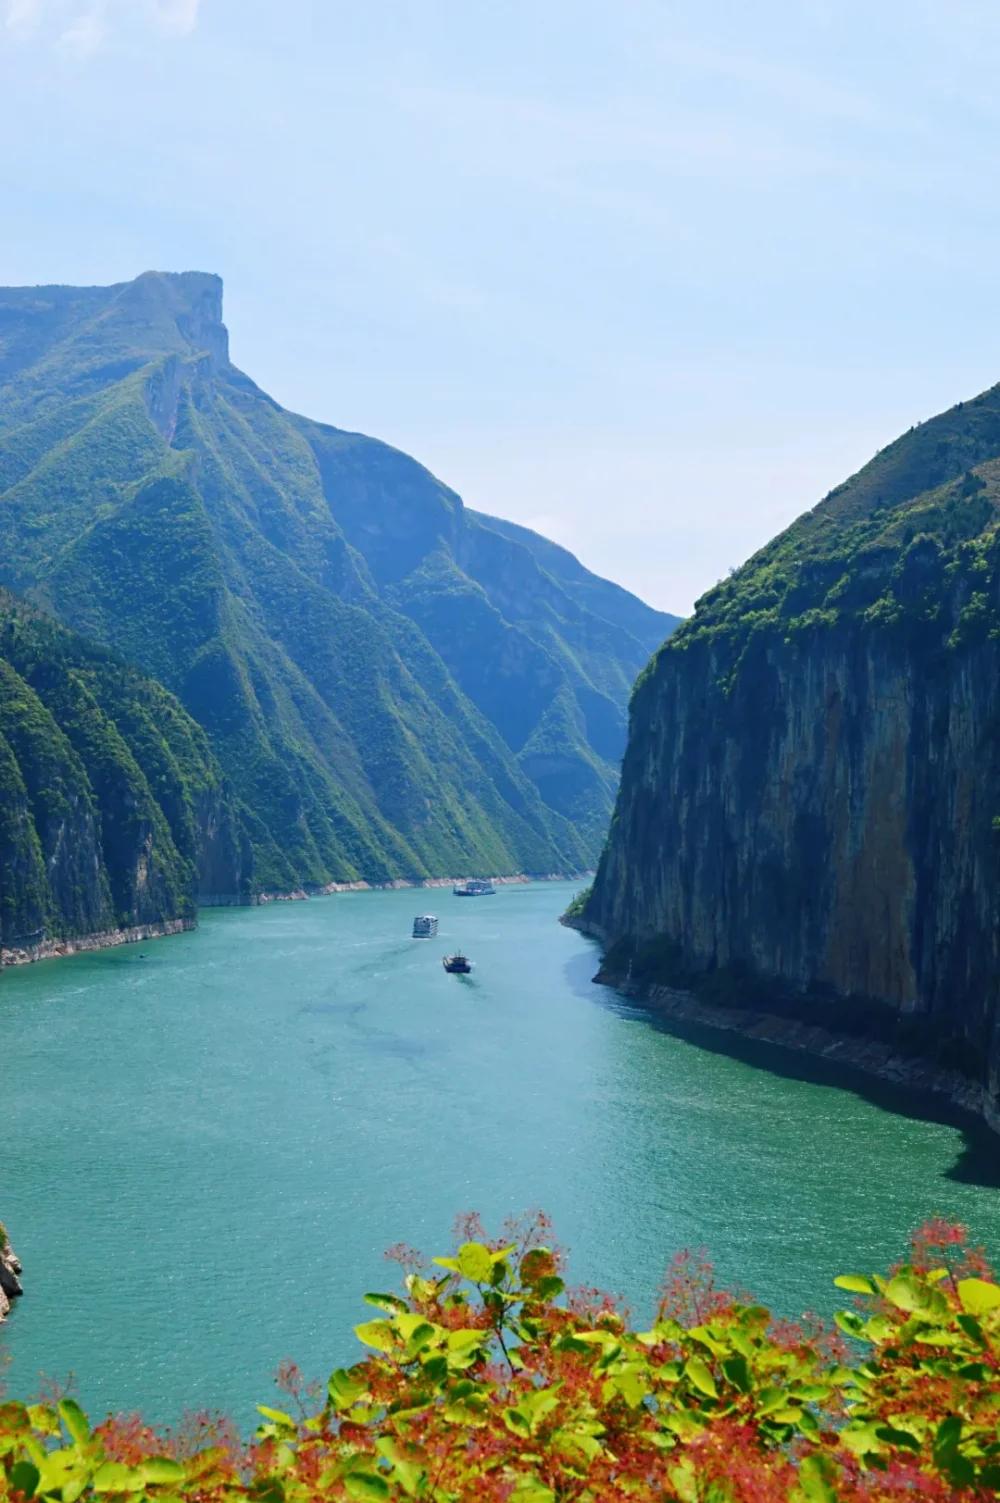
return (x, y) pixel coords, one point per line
(113, 811)
(393, 685)
(810, 799)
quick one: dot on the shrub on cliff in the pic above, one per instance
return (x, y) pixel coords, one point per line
(488, 1380)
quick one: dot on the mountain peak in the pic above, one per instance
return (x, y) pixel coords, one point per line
(189, 300)
(66, 330)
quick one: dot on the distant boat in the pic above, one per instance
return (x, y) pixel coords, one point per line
(457, 965)
(475, 889)
(425, 926)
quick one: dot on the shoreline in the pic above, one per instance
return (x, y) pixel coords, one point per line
(396, 884)
(106, 939)
(868, 1055)
(802, 1036)
(109, 939)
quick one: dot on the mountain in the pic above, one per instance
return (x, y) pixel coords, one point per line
(393, 685)
(810, 799)
(113, 811)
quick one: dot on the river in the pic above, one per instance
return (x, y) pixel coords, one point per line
(209, 1140)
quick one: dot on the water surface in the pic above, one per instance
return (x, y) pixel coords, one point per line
(207, 1150)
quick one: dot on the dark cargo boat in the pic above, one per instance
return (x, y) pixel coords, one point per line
(457, 965)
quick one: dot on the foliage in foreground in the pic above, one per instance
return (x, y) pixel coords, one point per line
(489, 1380)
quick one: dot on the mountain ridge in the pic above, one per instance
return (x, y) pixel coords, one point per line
(396, 688)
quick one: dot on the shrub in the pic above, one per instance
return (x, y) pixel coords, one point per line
(486, 1379)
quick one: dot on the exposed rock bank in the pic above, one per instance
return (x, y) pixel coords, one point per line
(51, 949)
(873, 1056)
(10, 1273)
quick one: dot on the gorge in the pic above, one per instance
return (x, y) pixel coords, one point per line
(299, 660)
(808, 814)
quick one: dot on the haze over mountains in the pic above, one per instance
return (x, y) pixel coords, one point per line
(392, 685)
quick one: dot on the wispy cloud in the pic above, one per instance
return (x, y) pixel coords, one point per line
(85, 33)
(23, 15)
(83, 26)
(177, 15)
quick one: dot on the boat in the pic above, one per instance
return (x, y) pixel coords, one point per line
(425, 926)
(475, 888)
(457, 965)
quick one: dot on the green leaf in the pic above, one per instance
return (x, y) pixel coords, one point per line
(75, 1420)
(40, 1416)
(970, 1325)
(908, 1292)
(549, 1287)
(418, 1333)
(277, 1415)
(112, 1477)
(475, 1262)
(576, 1442)
(367, 1487)
(977, 1296)
(516, 1422)
(530, 1490)
(381, 1334)
(684, 1480)
(949, 1433)
(632, 1383)
(893, 1436)
(699, 1374)
(850, 1323)
(880, 1328)
(343, 1389)
(391, 1303)
(411, 1477)
(450, 1263)
(462, 1340)
(818, 1478)
(24, 1478)
(162, 1470)
(856, 1282)
(737, 1370)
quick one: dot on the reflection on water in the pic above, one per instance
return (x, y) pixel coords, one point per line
(208, 1149)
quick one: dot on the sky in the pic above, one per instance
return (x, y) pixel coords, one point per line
(651, 277)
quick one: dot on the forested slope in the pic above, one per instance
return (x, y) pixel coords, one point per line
(113, 811)
(394, 686)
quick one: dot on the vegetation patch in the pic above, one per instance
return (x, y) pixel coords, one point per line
(487, 1379)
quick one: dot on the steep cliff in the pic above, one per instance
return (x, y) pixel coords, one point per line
(808, 813)
(113, 813)
(394, 686)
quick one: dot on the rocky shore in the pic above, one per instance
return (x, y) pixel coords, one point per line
(519, 877)
(10, 1273)
(50, 949)
(870, 1055)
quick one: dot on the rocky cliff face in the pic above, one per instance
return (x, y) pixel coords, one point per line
(808, 809)
(10, 1273)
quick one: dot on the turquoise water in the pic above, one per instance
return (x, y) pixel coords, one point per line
(206, 1150)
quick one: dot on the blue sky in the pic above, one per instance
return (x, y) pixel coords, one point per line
(649, 276)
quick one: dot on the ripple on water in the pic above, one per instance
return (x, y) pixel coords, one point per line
(209, 1149)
